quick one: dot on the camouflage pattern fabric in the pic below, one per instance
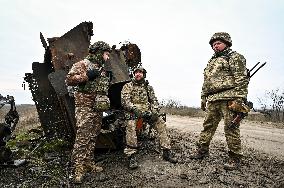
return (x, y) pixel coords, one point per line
(223, 36)
(78, 76)
(88, 118)
(131, 136)
(88, 128)
(134, 95)
(225, 77)
(215, 111)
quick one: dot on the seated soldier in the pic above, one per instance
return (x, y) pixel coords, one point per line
(139, 100)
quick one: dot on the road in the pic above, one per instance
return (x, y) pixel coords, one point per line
(261, 136)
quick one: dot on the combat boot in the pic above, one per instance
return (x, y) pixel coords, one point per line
(232, 164)
(200, 154)
(79, 174)
(168, 156)
(132, 162)
(94, 168)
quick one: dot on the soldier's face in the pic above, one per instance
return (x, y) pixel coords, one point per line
(138, 75)
(106, 55)
(218, 46)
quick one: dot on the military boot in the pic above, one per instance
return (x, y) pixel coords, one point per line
(200, 154)
(232, 164)
(132, 162)
(79, 174)
(169, 156)
(94, 168)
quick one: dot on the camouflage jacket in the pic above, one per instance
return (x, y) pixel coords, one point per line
(86, 90)
(225, 77)
(134, 95)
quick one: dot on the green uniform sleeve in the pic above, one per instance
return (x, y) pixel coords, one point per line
(239, 70)
(126, 97)
(155, 107)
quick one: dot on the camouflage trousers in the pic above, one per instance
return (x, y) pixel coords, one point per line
(88, 124)
(131, 136)
(215, 111)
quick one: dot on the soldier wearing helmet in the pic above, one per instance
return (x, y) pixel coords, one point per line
(139, 100)
(92, 83)
(225, 80)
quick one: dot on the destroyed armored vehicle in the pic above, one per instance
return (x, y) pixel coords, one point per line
(7, 127)
(55, 105)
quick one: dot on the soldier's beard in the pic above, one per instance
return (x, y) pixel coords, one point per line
(139, 79)
(219, 53)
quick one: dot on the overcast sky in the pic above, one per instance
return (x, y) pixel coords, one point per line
(173, 37)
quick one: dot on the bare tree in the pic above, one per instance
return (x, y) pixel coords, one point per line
(272, 105)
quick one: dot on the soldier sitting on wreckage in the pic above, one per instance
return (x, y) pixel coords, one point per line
(139, 100)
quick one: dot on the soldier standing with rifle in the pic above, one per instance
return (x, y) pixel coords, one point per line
(225, 81)
(139, 100)
(92, 83)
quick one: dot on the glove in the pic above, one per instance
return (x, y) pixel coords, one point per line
(92, 74)
(147, 115)
(203, 104)
(154, 117)
(137, 112)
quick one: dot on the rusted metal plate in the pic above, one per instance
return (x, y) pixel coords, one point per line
(71, 47)
(118, 67)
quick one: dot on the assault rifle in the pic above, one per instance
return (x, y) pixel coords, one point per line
(242, 108)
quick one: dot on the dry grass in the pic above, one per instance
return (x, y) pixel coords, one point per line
(184, 111)
(28, 117)
(197, 112)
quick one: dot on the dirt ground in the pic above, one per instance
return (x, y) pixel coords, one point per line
(262, 165)
(263, 137)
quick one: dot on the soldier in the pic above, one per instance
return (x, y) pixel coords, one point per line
(91, 82)
(138, 99)
(225, 80)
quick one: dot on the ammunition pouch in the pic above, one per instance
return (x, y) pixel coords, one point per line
(99, 85)
(102, 103)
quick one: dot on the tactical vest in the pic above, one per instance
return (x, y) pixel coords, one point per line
(99, 85)
(218, 75)
(140, 95)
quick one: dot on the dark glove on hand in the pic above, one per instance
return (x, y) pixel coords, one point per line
(92, 74)
(137, 112)
(154, 117)
(203, 105)
(147, 115)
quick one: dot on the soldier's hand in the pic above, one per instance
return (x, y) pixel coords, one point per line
(137, 112)
(147, 115)
(92, 74)
(154, 117)
(203, 105)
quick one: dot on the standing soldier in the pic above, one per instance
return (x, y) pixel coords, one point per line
(225, 80)
(91, 82)
(139, 100)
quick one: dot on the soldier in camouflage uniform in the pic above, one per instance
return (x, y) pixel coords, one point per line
(139, 100)
(91, 82)
(225, 80)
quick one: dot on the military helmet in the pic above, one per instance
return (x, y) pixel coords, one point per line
(222, 36)
(140, 68)
(99, 46)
